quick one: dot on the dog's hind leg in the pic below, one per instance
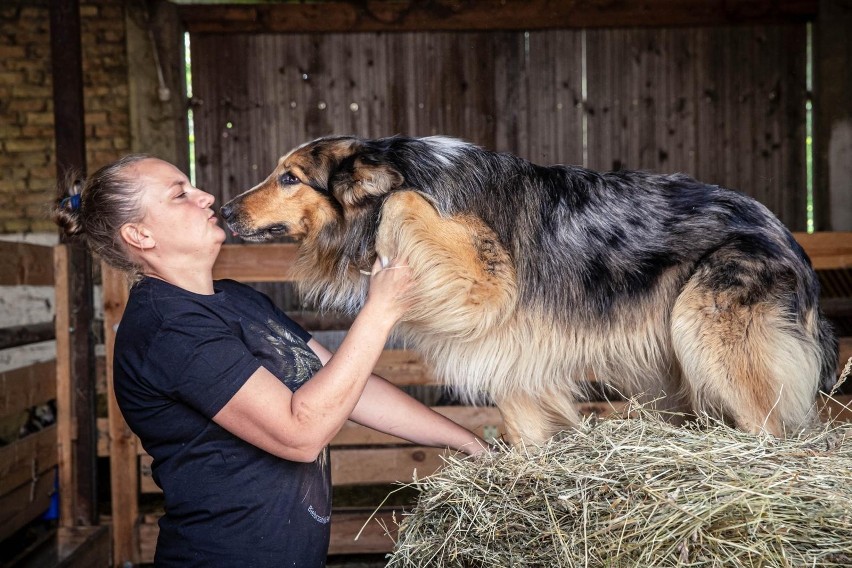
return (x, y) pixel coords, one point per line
(746, 354)
(464, 278)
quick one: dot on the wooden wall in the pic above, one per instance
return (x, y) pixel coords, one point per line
(725, 104)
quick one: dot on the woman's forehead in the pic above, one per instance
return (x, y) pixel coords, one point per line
(159, 173)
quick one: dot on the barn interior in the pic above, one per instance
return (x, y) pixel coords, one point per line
(750, 95)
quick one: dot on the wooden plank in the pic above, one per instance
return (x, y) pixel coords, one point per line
(67, 547)
(485, 421)
(18, 460)
(82, 547)
(403, 367)
(269, 262)
(148, 533)
(475, 419)
(76, 390)
(146, 478)
(346, 523)
(25, 264)
(77, 435)
(832, 114)
(26, 502)
(123, 444)
(25, 387)
(19, 335)
(361, 466)
(828, 249)
(844, 352)
(364, 466)
(411, 15)
(65, 423)
(836, 409)
(368, 525)
(66, 56)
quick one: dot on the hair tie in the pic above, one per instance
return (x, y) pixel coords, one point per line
(73, 200)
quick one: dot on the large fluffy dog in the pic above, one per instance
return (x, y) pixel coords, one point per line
(529, 278)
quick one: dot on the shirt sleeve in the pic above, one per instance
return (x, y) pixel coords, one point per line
(265, 303)
(201, 362)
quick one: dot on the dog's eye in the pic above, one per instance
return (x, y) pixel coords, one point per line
(288, 179)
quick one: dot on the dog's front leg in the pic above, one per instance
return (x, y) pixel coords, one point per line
(464, 279)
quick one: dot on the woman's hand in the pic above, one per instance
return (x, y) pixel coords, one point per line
(390, 288)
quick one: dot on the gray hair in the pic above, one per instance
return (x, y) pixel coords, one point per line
(95, 209)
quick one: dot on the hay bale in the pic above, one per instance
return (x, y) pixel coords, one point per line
(640, 492)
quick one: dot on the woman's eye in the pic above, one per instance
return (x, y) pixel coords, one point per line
(288, 179)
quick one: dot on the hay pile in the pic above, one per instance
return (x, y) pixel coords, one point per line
(641, 492)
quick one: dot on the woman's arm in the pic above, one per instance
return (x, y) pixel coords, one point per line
(297, 426)
(386, 408)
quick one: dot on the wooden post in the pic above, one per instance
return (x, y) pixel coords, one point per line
(832, 117)
(80, 497)
(123, 449)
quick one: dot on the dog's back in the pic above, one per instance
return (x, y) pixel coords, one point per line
(530, 278)
(659, 274)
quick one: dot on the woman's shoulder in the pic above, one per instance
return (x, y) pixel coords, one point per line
(239, 292)
(160, 300)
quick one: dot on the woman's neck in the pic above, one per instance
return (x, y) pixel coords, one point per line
(191, 270)
(196, 280)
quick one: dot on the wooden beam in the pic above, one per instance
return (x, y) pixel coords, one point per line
(64, 399)
(476, 419)
(25, 334)
(828, 250)
(346, 524)
(123, 444)
(69, 127)
(273, 262)
(67, 70)
(452, 15)
(256, 263)
(75, 387)
(832, 143)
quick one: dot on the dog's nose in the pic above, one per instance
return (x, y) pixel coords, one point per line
(226, 210)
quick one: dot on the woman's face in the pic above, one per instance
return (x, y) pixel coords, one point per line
(178, 216)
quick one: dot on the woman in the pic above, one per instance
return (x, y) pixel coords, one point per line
(234, 401)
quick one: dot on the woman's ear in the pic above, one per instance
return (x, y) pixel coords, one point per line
(137, 236)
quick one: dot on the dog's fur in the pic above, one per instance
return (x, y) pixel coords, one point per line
(529, 278)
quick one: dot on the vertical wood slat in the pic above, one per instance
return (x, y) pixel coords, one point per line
(123, 449)
(66, 431)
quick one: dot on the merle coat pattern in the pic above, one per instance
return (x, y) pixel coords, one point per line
(530, 279)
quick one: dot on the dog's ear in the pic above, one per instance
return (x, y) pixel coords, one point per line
(368, 177)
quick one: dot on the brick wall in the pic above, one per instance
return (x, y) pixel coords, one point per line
(27, 153)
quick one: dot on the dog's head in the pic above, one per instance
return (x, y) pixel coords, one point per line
(317, 188)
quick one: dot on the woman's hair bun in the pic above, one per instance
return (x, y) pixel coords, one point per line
(66, 210)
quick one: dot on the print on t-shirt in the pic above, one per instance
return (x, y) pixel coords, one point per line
(293, 361)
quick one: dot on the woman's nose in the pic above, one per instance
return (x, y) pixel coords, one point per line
(205, 199)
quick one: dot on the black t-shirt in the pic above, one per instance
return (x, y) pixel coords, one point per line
(179, 358)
